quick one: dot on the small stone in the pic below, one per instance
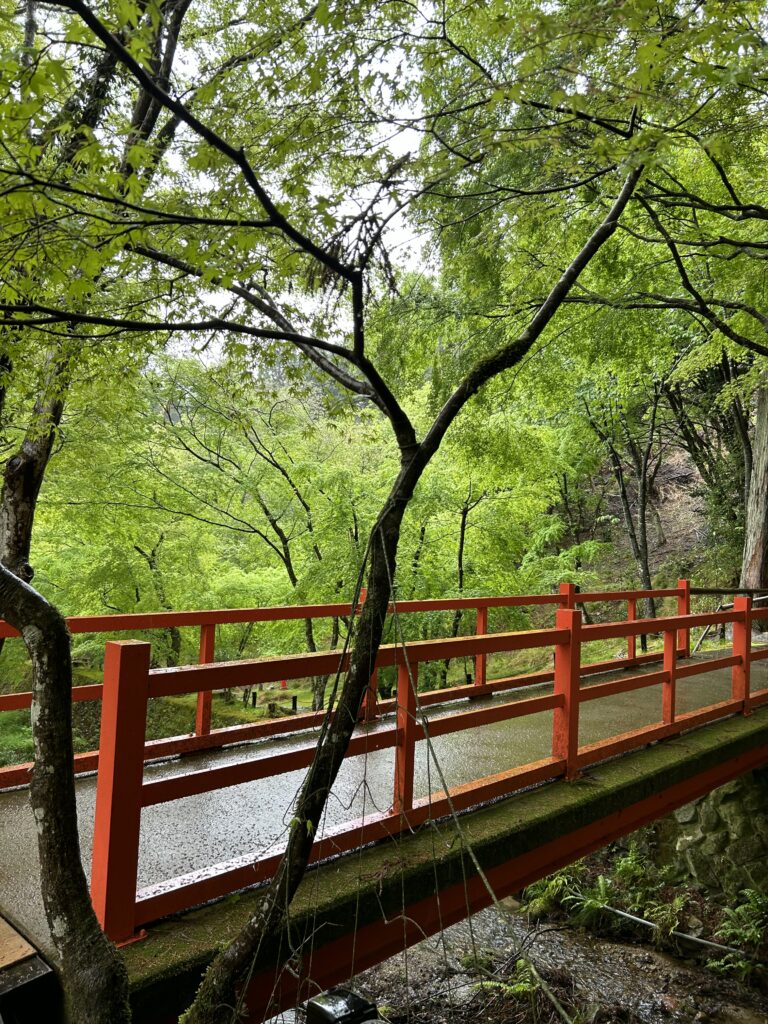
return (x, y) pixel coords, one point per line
(694, 926)
(709, 819)
(685, 814)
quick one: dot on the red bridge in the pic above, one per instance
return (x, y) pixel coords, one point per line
(360, 910)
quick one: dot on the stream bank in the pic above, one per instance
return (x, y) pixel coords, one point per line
(468, 973)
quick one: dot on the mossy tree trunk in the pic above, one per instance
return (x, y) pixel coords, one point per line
(92, 973)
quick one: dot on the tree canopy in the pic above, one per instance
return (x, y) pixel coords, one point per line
(424, 297)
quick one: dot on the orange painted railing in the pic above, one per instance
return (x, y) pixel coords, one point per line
(206, 738)
(129, 683)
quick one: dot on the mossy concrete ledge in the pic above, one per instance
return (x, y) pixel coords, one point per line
(372, 886)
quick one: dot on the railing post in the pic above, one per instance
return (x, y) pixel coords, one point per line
(565, 720)
(669, 684)
(481, 628)
(406, 738)
(742, 648)
(369, 709)
(117, 821)
(684, 608)
(631, 640)
(568, 591)
(205, 697)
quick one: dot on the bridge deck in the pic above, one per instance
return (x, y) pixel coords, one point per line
(191, 834)
(351, 913)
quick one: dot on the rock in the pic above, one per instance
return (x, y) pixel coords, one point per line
(694, 925)
(709, 819)
(715, 843)
(746, 850)
(685, 814)
(722, 838)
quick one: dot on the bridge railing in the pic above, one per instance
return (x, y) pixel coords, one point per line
(207, 738)
(129, 683)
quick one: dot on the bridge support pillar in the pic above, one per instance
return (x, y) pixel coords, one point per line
(369, 709)
(684, 608)
(742, 649)
(205, 698)
(565, 721)
(568, 593)
(405, 751)
(481, 628)
(632, 639)
(118, 790)
(668, 687)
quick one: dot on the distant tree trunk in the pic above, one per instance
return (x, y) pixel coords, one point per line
(727, 432)
(740, 419)
(457, 615)
(466, 508)
(152, 558)
(636, 524)
(417, 557)
(661, 537)
(753, 566)
(318, 683)
(283, 550)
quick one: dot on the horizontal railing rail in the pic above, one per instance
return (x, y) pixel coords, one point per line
(205, 737)
(129, 683)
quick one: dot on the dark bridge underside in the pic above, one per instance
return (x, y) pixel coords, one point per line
(353, 912)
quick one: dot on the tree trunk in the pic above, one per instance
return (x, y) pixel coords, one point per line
(22, 480)
(92, 973)
(152, 558)
(457, 615)
(417, 557)
(218, 991)
(753, 566)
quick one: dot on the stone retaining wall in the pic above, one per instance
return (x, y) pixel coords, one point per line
(723, 838)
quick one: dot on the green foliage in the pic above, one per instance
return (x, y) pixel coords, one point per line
(521, 984)
(553, 891)
(634, 884)
(747, 923)
(587, 905)
(666, 914)
(637, 878)
(745, 926)
(214, 330)
(16, 745)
